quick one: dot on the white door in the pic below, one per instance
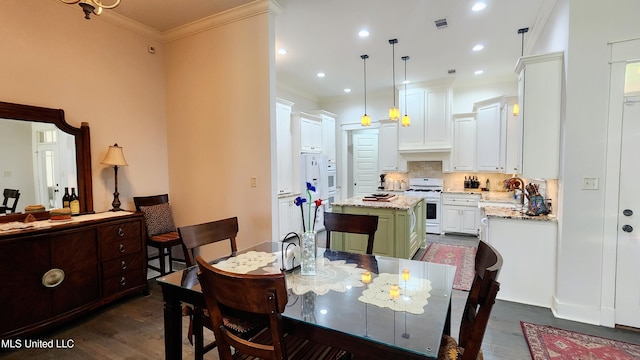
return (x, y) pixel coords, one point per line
(365, 162)
(628, 264)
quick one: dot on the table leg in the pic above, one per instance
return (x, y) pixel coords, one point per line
(447, 321)
(172, 326)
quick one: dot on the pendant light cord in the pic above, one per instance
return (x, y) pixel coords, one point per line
(364, 61)
(393, 43)
(405, 58)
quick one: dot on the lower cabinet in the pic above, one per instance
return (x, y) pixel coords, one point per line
(289, 217)
(460, 213)
(55, 273)
(400, 232)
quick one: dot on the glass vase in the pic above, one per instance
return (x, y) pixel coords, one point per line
(308, 261)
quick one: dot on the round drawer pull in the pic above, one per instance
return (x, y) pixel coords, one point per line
(120, 232)
(123, 281)
(123, 265)
(121, 248)
(53, 278)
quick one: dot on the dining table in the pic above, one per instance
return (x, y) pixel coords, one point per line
(374, 307)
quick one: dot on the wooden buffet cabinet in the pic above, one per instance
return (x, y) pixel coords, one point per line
(101, 255)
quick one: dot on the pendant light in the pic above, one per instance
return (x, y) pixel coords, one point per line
(366, 119)
(394, 112)
(406, 120)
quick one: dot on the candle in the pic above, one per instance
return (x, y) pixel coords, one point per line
(394, 292)
(406, 274)
(366, 277)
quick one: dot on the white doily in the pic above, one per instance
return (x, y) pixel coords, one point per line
(413, 293)
(330, 275)
(246, 262)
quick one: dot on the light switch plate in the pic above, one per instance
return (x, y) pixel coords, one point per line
(590, 183)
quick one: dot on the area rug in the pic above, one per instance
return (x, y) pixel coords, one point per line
(463, 257)
(546, 342)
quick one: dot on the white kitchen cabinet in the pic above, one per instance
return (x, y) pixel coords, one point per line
(284, 145)
(540, 98)
(328, 134)
(490, 135)
(289, 218)
(460, 213)
(463, 154)
(528, 249)
(307, 133)
(388, 158)
(430, 110)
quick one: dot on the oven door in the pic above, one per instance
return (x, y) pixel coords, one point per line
(331, 198)
(433, 216)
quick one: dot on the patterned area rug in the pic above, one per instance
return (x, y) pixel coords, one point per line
(463, 257)
(546, 342)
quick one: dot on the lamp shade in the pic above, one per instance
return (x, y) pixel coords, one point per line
(114, 157)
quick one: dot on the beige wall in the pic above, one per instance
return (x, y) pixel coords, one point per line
(219, 113)
(97, 73)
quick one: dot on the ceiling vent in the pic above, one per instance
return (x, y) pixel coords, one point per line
(441, 23)
(451, 71)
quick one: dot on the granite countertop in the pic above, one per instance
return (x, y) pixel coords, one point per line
(399, 202)
(508, 213)
(493, 196)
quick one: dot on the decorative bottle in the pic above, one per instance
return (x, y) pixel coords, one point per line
(66, 199)
(308, 261)
(74, 203)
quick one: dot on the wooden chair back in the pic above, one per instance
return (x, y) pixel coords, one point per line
(195, 236)
(150, 200)
(351, 223)
(10, 194)
(258, 294)
(480, 300)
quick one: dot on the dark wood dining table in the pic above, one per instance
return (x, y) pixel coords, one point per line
(338, 313)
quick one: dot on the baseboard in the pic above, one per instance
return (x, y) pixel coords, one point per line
(577, 313)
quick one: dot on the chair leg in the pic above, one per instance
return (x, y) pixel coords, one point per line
(161, 261)
(198, 334)
(170, 259)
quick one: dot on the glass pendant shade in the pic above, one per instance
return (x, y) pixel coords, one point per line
(406, 120)
(516, 109)
(365, 120)
(394, 114)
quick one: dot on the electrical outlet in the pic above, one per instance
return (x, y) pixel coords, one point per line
(254, 181)
(590, 183)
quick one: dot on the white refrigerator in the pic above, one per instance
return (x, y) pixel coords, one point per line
(313, 169)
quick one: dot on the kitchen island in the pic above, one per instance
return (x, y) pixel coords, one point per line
(401, 226)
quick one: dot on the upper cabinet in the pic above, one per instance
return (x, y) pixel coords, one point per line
(540, 100)
(463, 155)
(430, 112)
(388, 159)
(490, 135)
(328, 134)
(284, 146)
(307, 133)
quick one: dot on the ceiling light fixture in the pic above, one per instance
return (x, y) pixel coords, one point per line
(89, 6)
(394, 112)
(479, 6)
(320, 74)
(479, 72)
(282, 51)
(363, 33)
(406, 120)
(478, 47)
(365, 120)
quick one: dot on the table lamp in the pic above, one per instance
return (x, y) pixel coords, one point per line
(115, 158)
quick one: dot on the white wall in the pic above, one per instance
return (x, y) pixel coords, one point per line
(98, 73)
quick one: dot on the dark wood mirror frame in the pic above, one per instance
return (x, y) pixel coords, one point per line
(82, 141)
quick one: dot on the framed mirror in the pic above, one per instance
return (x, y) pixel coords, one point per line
(42, 154)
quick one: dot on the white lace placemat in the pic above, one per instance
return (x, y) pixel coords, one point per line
(413, 293)
(247, 262)
(330, 275)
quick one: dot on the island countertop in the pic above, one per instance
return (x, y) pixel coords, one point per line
(400, 202)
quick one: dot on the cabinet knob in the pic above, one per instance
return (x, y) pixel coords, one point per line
(123, 265)
(53, 278)
(120, 232)
(627, 228)
(123, 281)
(121, 248)
(627, 212)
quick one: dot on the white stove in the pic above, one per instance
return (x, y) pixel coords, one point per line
(429, 189)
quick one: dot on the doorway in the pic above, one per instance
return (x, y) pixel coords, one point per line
(363, 162)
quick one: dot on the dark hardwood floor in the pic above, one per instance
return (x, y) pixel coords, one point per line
(133, 328)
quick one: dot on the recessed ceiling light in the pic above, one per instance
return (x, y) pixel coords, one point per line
(478, 47)
(479, 6)
(320, 74)
(406, 81)
(282, 51)
(363, 33)
(347, 90)
(479, 72)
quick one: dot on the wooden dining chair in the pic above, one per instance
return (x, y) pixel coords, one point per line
(477, 310)
(351, 223)
(9, 194)
(161, 232)
(193, 237)
(264, 295)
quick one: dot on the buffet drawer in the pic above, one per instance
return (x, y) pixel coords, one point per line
(122, 265)
(118, 246)
(119, 283)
